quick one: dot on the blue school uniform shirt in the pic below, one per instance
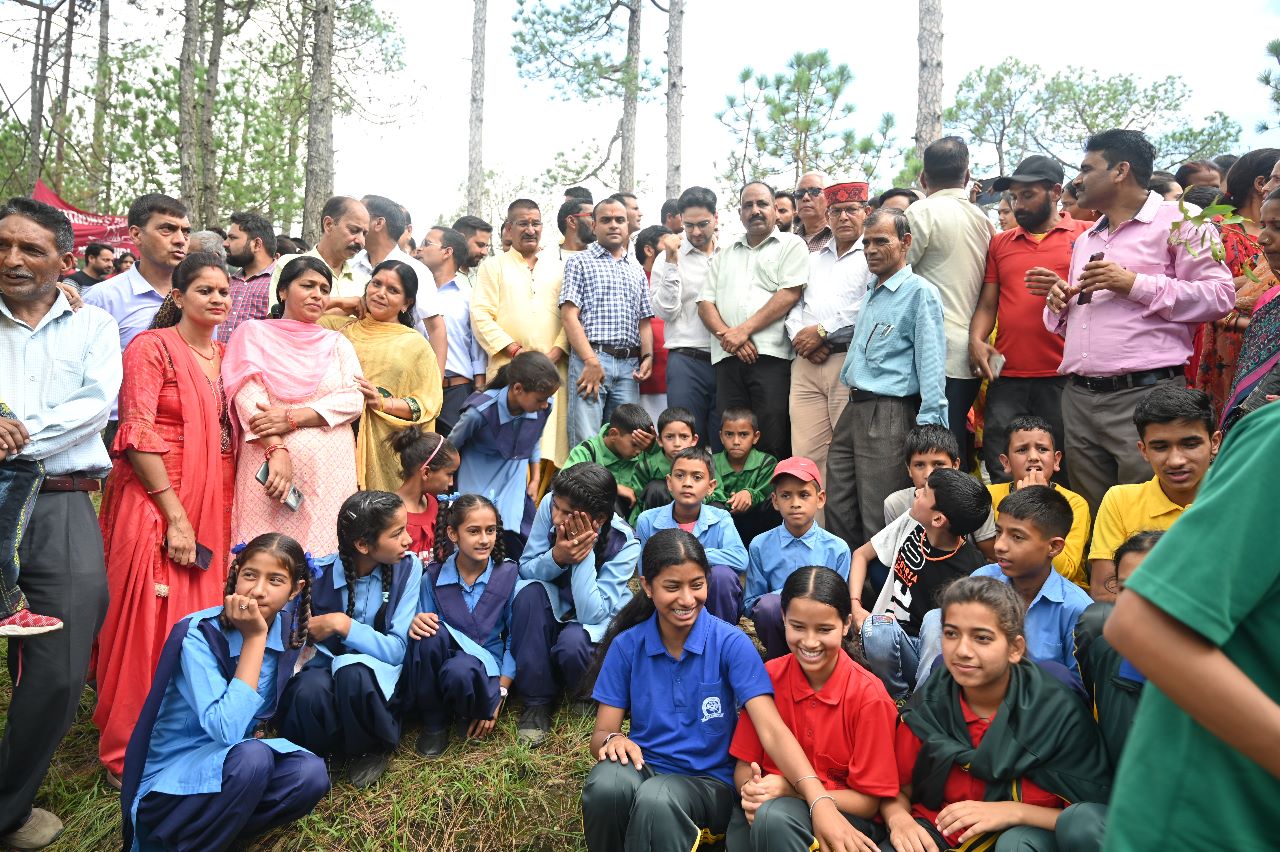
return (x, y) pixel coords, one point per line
(775, 554)
(497, 645)
(202, 715)
(503, 481)
(596, 593)
(714, 529)
(383, 653)
(1050, 623)
(683, 712)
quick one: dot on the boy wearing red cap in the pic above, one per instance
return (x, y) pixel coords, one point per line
(798, 542)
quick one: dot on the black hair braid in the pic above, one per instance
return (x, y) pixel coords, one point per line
(500, 541)
(454, 515)
(364, 516)
(349, 572)
(386, 584)
(233, 572)
(442, 546)
(298, 637)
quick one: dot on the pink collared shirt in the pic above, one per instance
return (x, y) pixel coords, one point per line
(1174, 292)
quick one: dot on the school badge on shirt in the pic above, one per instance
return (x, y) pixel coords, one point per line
(711, 708)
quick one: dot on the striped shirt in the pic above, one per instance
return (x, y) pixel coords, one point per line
(250, 299)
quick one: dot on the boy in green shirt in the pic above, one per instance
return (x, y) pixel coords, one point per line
(744, 475)
(618, 447)
(677, 429)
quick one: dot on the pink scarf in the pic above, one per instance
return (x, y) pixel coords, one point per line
(290, 357)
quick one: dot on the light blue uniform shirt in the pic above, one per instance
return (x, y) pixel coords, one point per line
(132, 303)
(503, 481)
(714, 529)
(496, 646)
(1050, 625)
(776, 554)
(899, 347)
(465, 356)
(383, 653)
(597, 593)
(683, 712)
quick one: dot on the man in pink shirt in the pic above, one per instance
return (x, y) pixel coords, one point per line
(1128, 317)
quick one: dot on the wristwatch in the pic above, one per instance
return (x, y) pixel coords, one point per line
(502, 692)
(822, 332)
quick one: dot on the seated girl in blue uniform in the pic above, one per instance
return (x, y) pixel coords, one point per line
(992, 748)
(838, 711)
(195, 776)
(460, 664)
(499, 435)
(683, 676)
(362, 605)
(582, 555)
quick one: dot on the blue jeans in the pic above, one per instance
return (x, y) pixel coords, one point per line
(618, 387)
(901, 661)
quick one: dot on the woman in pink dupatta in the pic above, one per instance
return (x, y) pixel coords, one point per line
(293, 389)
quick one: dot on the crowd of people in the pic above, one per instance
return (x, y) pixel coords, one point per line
(385, 482)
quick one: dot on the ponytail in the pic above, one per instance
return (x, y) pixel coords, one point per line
(532, 371)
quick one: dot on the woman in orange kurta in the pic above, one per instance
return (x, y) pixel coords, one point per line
(167, 510)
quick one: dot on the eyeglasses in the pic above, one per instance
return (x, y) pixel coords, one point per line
(697, 226)
(851, 212)
(812, 192)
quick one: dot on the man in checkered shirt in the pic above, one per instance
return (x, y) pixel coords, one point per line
(250, 245)
(604, 305)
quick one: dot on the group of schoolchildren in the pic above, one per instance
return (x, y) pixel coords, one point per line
(982, 707)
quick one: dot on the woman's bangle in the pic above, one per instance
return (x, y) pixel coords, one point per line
(159, 491)
(796, 783)
(611, 736)
(814, 803)
(293, 424)
(271, 449)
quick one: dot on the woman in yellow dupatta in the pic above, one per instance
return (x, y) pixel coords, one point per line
(402, 384)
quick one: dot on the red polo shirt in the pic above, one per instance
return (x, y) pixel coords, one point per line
(846, 729)
(1030, 349)
(960, 786)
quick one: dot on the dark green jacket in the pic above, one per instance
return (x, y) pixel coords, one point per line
(1115, 697)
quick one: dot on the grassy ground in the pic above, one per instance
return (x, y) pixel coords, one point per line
(491, 794)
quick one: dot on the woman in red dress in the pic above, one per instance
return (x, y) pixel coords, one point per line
(167, 509)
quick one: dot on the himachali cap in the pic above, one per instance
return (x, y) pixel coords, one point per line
(839, 193)
(1033, 169)
(800, 467)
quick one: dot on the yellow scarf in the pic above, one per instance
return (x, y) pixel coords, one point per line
(399, 359)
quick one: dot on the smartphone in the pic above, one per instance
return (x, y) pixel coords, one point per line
(293, 499)
(204, 557)
(1087, 297)
(997, 365)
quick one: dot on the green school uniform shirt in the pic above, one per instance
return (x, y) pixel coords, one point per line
(756, 476)
(1215, 570)
(594, 450)
(652, 465)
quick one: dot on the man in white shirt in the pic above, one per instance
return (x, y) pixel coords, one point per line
(838, 279)
(678, 276)
(466, 362)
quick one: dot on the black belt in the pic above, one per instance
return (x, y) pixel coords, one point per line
(838, 347)
(856, 395)
(456, 381)
(623, 352)
(690, 352)
(1140, 379)
(74, 482)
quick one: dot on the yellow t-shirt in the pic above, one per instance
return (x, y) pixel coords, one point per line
(1129, 509)
(1070, 562)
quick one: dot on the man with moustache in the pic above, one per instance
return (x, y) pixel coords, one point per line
(99, 263)
(754, 282)
(344, 224)
(1022, 263)
(785, 205)
(479, 236)
(251, 246)
(811, 211)
(575, 225)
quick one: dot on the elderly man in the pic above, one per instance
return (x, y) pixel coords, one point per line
(516, 305)
(62, 372)
(344, 224)
(754, 282)
(820, 326)
(811, 211)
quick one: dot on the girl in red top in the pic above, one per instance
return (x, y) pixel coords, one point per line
(837, 710)
(427, 462)
(993, 747)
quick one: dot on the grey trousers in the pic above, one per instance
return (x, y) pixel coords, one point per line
(1080, 829)
(865, 465)
(1101, 441)
(630, 810)
(63, 575)
(783, 825)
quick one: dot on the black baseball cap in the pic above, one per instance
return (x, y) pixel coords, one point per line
(1033, 169)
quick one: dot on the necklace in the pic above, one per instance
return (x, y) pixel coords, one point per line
(197, 351)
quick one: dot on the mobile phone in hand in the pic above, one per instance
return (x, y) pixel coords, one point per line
(1087, 296)
(204, 557)
(292, 500)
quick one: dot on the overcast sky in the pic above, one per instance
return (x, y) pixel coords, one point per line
(421, 159)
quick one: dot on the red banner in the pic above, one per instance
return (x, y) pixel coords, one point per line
(89, 227)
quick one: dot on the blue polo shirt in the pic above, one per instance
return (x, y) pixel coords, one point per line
(714, 529)
(1050, 625)
(683, 712)
(776, 554)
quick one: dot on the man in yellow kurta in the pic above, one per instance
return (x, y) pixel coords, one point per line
(515, 306)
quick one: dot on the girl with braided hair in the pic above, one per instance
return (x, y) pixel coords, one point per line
(364, 599)
(427, 464)
(460, 664)
(195, 774)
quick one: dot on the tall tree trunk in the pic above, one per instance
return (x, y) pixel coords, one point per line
(188, 167)
(208, 213)
(319, 123)
(675, 93)
(630, 98)
(283, 212)
(929, 107)
(35, 127)
(64, 91)
(101, 103)
(475, 134)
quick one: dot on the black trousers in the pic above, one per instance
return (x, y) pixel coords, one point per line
(1009, 397)
(451, 409)
(765, 388)
(63, 575)
(960, 396)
